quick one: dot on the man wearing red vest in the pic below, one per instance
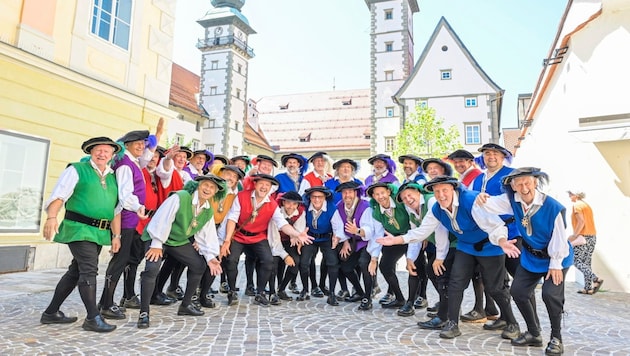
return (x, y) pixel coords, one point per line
(464, 163)
(321, 172)
(246, 231)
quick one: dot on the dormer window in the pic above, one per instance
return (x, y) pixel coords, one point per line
(284, 107)
(305, 137)
(346, 101)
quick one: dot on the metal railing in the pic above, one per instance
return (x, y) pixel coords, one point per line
(207, 43)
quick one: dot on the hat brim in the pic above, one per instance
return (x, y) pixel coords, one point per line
(406, 186)
(371, 188)
(342, 161)
(219, 182)
(323, 190)
(234, 169)
(88, 147)
(418, 160)
(272, 180)
(429, 186)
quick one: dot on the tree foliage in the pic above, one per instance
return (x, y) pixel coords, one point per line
(425, 135)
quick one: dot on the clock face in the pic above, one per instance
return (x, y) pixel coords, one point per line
(240, 35)
(218, 30)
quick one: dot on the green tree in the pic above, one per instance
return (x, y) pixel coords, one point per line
(425, 135)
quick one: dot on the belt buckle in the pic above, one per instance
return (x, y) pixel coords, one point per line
(103, 224)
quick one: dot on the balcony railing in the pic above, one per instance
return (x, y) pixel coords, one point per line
(224, 41)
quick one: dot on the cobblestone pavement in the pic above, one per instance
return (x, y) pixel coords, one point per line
(593, 325)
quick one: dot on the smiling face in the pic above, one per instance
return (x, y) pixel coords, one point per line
(231, 178)
(410, 166)
(240, 163)
(462, 164)
(179, 160)
(525, 187)
(135, 147)
(101, 155)
(289, 206)
(379, 166)
(319, 164)
(293, 166)
(317, 199)
(444, 194)
(411, 198)
(348, 196)
(345, 171)
(154, 161)
(198, 161)
(262, 188)
(206, 190)
(434, 170)
(265, 167)
(381, 195)
(493, 159)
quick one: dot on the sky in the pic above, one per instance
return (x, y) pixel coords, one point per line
(310, 46)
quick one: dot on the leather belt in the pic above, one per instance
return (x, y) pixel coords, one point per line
(320, 236)
(479, 245)
(102, 224)
(150, 213)
(247, 233)
(535, 252)
(509, 220)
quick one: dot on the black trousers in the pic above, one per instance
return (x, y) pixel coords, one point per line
(360, 259)
(415, 282)
(290, 271)
(128, 247)
(82, 273)
(523, 287)
(493, 277)
(261, 251)
(442, 281)
(390, 256)
(185, 254)
(330, 258)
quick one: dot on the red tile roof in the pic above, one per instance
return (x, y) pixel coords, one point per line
(184, 89)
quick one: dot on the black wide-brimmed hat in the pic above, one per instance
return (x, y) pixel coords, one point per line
(137, 135)
(242, 158)
(414, 158)
(220, 182)
(188, 151)
(321, 189)
(296, 156)
(317, 155)
(461, 154)
(346, 160)
(95, 141)
(448, 170)
(234, 169)
(383, 157)
(348, 185)
(258, 176)
(208, 154)
(292, 196)
(441, 180)
(494, 146)
(408, 185)
(264, 158)
(222, 158)
(523, 172)
(371, 188)
(161, 151)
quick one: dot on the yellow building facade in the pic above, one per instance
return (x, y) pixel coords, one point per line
(71, 70)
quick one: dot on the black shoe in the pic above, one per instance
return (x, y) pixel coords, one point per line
(232, 298)
(274, 299)
(224, 288)
(143, 320)
(332, 300)
(450, 330)
(178, 293)
(162, 299)
(190, 309)
(434, 308)
(207, 302)
(342, 295)
(527, 339)
(97, 324)
(498, 324)
(376, 291)
(366, 304)
(250, 291)
(325, 290)
(57, 317)
(195, 301)
(554, 347)
(113, 312)
(317, 293)
(284, 296)
(433, 324)
(420, 303)
(294, 288)
(303, 296)
(432, 315)
(261, 299)
(511, 332)
(406, 310)
(474, 316)
(393, 304)
(131, 303)
(354, 298)
(387, 298)
(213, 291)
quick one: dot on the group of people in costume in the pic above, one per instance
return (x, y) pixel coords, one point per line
(182, 210)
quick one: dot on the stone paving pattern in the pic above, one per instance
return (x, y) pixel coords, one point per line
(593, 325)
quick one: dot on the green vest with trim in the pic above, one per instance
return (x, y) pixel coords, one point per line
(91, 199)
(400, 215)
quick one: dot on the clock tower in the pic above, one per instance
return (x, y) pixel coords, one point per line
(224, 68)
(391, 62)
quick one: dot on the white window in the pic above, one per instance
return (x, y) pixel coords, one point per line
(214, 65)
(234, 151)
(389, 75)
(445, 74)
(179, 139)
(23, 163)
(389, 46)
(194, 145)
(390, 144)
(210, 148)
(111, 21)
(473, 134)
(471, 102)
(211, 123)
(389, 14)
(213, 90)
(389, 111)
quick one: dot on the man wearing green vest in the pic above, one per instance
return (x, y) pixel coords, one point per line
(90, 194)
(184, 214)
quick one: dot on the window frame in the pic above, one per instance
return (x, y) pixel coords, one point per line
(115, 23)
(446, 71)
(389, 75)
(390, 142)
(470, 102)
(389, 109)
(388, 14)
(469, 138)
(389, 46)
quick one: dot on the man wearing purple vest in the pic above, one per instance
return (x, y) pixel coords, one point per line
(131, 194)
(352, 226)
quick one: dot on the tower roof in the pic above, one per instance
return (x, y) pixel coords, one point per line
(237, 4)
